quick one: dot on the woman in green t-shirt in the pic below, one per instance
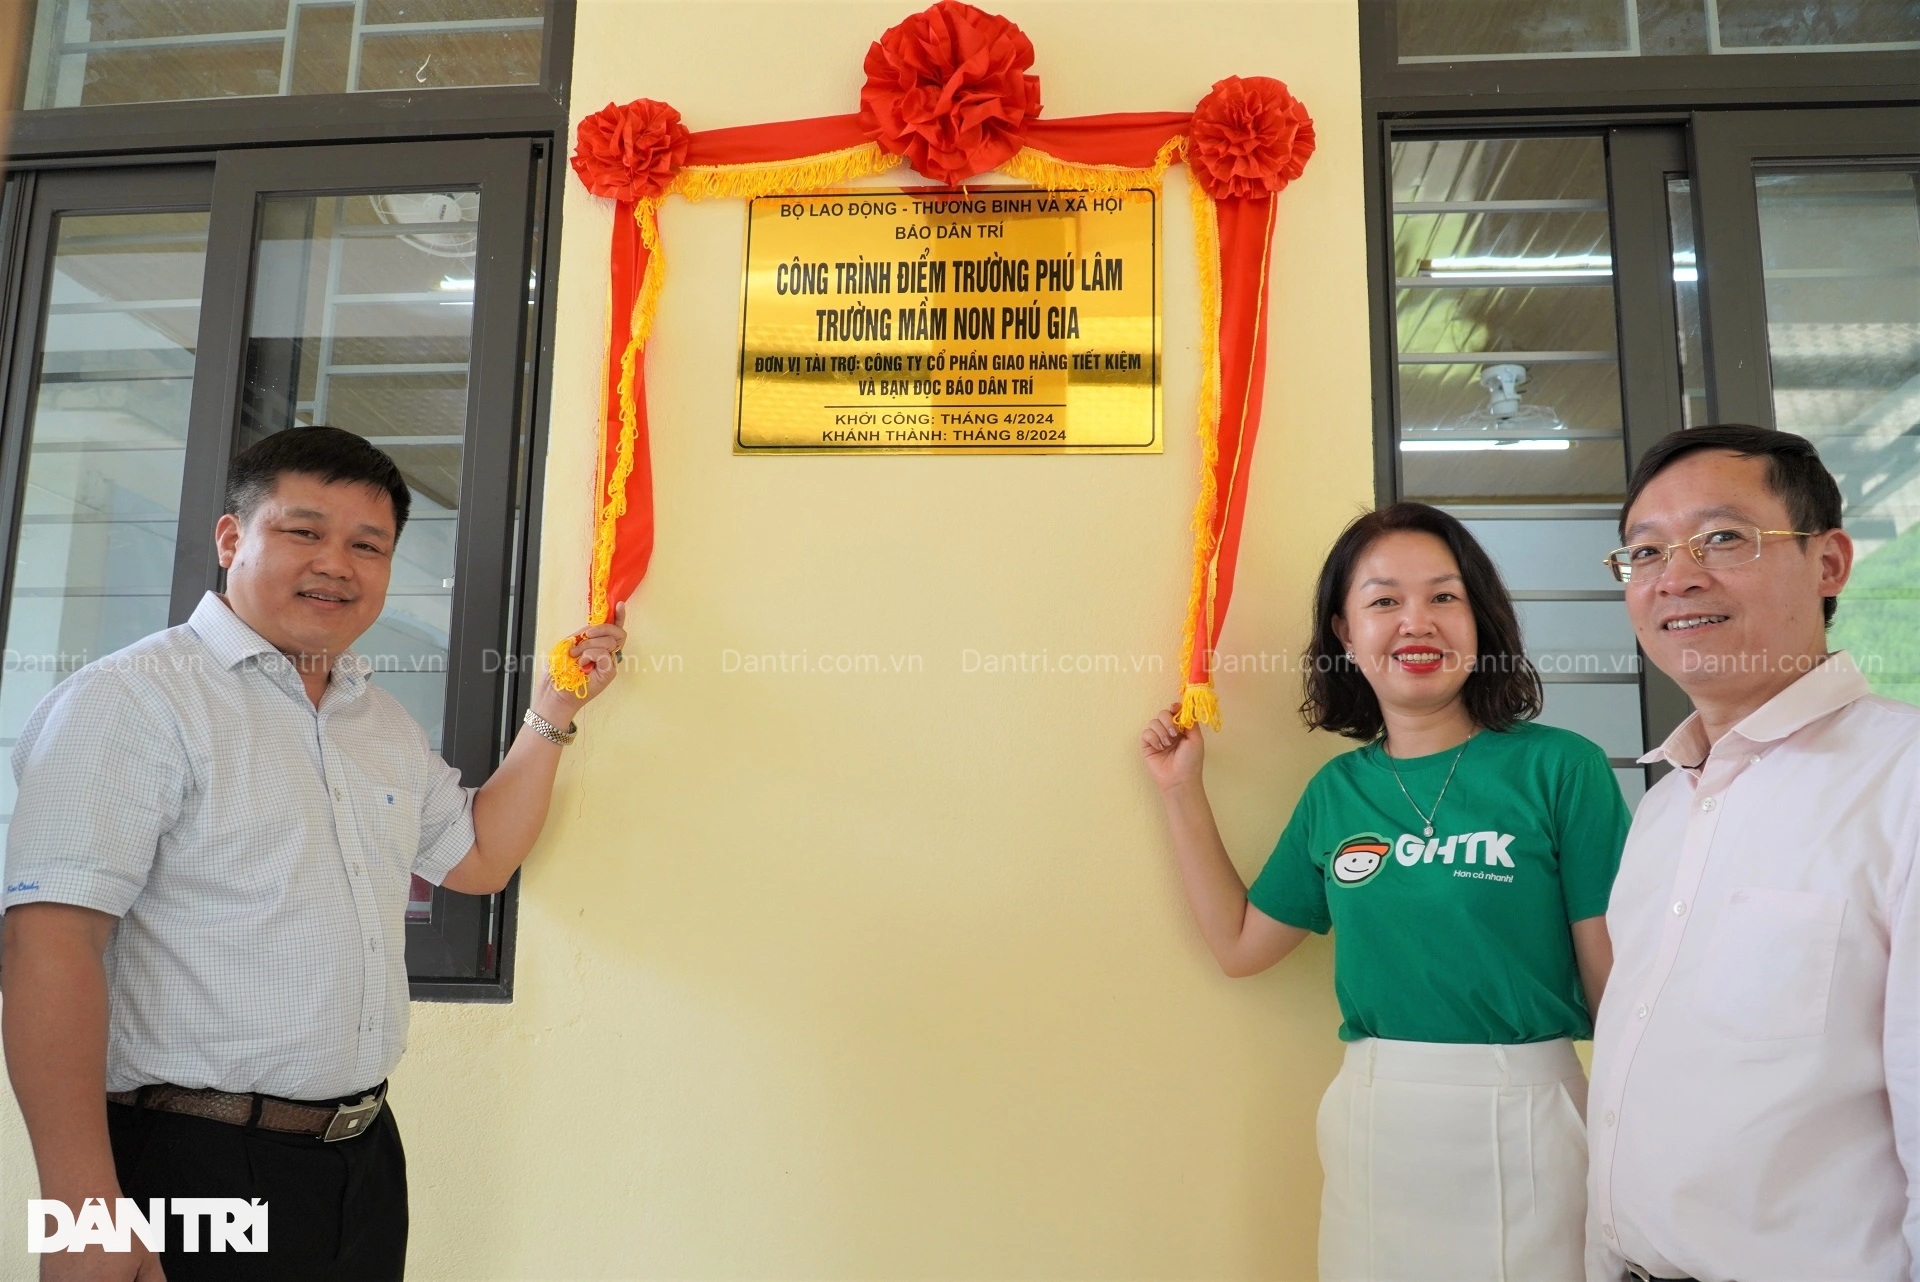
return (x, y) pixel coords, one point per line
(1463, 856)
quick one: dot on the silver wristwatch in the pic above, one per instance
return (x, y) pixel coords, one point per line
(547, 730)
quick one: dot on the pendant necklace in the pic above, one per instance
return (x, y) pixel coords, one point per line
(1425, 817)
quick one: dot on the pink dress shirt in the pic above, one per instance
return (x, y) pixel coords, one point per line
(1753, 1112)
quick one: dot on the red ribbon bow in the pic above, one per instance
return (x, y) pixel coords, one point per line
(1250, 137)
(630, 152)
(949, 90)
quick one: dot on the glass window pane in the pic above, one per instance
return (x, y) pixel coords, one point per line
(1497, 318)
(1439, 30)
(1466, 244)
(1578, 638)
(428, 60)
(362, 319)
(112, 20)
(1514, 472)
(1831, 25)
(1509, 389)
(1500, 169)
(93, 565)
(91, 52)
(1548, 555)
(1672, 28)
(322, 49)
(1686, 304)
(1841, 255)
(1584, 395)
(1492, 30)
(1608, 714)
(396, 12)
(243, 68)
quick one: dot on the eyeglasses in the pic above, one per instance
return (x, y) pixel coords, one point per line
(1713, 549)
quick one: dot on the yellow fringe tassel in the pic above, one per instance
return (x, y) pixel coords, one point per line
(1055, 174)
(810, 173)
(568, 676)
(1198, 703)
(567, 673)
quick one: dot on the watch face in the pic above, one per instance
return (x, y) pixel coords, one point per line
(1358, 858)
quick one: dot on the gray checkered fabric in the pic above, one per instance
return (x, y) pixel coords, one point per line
(257, 851)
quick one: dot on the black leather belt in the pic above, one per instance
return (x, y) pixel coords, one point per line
(328, 1122)
(1637, 1274)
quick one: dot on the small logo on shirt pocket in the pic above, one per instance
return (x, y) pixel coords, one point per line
(395, 824)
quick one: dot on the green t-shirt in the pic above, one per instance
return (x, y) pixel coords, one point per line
(1461, 937)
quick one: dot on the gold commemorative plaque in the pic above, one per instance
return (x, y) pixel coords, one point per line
(1000, 320)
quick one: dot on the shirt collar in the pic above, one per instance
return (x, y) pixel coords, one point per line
(233, 643)
(1826, 688)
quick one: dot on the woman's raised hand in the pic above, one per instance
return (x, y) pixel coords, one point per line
(1172, 755)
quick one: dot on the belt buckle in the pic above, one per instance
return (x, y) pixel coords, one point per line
(349, 1120)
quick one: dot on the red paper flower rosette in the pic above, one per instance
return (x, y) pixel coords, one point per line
(948, 89)
(1250, 137)
(630, 152)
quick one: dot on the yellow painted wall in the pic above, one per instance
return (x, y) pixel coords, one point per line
(889, 975)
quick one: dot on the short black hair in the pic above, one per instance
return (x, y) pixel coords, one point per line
(1795, 474)
(328, 453)
(1503, 687)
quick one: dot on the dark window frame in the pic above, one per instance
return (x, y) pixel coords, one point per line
(55, 141)
(202, 124)
(1636, 83)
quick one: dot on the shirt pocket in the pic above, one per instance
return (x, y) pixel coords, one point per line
(395, 828)
(1769, 966)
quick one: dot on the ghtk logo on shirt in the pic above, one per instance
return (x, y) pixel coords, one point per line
(232, 1224)
(1358, 859)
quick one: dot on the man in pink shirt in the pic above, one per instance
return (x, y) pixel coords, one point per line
(1753, 1111)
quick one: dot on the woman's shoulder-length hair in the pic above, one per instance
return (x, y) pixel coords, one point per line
(1503, 687)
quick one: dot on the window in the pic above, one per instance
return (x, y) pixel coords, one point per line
(94, 52)
(1619, 56)
(176, 305)
(1490, 30)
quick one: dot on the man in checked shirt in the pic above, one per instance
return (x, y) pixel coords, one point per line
(1755, 1105)
(206, 884)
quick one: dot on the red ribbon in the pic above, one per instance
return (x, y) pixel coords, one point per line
(633, 530)
(1246, 241)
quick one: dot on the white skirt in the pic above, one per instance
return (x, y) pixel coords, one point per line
(1450, 1163)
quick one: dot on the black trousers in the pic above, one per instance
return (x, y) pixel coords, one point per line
(335, 1212)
